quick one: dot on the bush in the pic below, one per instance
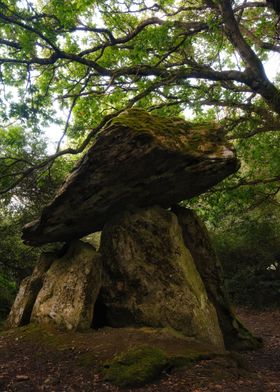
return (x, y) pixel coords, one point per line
(250, 254)
(8, 290)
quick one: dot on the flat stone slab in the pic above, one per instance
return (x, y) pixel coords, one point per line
(138, 160)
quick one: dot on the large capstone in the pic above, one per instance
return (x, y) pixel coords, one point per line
(70, 289)
(137, 160)
(150, 278)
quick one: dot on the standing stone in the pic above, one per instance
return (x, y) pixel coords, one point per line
(150, 278)
(70, 289)
(28, 291)
(197, 240)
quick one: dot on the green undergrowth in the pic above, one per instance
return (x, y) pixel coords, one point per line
(2, 324)
(7, 294)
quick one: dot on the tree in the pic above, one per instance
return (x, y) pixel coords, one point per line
(91, 59)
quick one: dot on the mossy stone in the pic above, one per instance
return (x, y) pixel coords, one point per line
(174, 132)
(135, 367)
(150, 278)
(70, 288)
(138, 159)
(197, 240)
(145, 364)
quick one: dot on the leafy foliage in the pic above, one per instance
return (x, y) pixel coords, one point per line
(88, 59)
(74, 65)
(250, 253)
(16, 260)
(7, 294)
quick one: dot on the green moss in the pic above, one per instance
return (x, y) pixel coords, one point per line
(136, 367)
(245, 340)
(144, 364)
(45, 335)
(188, 359)
(87, 359)
(173, 132)
(142, 121)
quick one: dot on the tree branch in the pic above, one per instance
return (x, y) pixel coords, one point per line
(258, 181)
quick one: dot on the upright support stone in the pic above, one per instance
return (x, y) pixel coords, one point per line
(150, 278)
(28, 291)
(70, 289)
(197, 240)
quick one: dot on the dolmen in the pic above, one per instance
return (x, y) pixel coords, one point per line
(155, 266)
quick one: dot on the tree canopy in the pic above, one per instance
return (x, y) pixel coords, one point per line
(75, 64)
(78, 63)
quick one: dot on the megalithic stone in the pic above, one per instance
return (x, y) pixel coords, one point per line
(29, 288)
(70, 289)
(137, 160)
(150, 278)
(197, 240)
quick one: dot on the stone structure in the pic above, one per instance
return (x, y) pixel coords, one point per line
(155, 267)
(197, 240)
(70, 289)
(28, 291)
(62, 289)
(150, 277)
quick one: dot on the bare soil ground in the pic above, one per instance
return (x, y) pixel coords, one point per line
(53, 364)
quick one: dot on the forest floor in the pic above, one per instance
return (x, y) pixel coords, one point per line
(28, 366)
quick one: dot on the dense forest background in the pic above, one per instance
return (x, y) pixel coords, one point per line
(73, 65)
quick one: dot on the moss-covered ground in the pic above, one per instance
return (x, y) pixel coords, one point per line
(122, 356)
(36, 359)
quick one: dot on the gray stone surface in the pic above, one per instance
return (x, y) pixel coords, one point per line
(150, 278)
(197, 240)
(138, 160)
(70, 289)
(28, 291)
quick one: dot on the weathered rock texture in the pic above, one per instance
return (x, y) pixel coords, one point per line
(70, 289)
(197, 240)
(150, 278)
(28, 291)
(138, 160)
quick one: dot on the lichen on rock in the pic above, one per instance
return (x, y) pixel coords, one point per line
(70, 289)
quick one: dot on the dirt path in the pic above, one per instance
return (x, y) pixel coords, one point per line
(28, 367)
